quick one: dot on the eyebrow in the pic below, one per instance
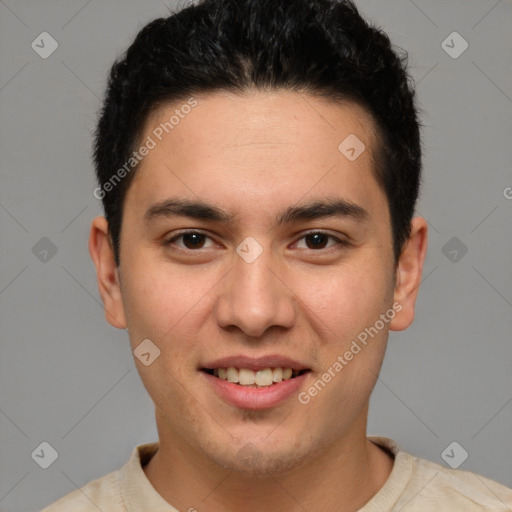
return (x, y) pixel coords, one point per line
(200, 210)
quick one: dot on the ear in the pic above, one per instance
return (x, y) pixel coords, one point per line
(102, 254)
(408, 274)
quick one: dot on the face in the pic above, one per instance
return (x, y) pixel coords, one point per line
(250, 241)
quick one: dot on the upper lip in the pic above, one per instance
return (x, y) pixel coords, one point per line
(256, 363)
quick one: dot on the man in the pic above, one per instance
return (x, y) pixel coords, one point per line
(259, 163)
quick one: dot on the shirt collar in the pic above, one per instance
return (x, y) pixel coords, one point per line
(139, 495)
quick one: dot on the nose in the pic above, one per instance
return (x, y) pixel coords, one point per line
(254, 297)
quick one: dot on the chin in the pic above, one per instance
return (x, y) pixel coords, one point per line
(258, 460)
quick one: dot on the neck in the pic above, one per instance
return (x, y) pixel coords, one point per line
(349, 472)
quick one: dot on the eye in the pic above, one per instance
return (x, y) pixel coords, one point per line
(319, 240)
(195, 240)
(190, 240)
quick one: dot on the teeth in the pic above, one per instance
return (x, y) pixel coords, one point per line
(232, 375)
(264, 377)
(246, 377)
(261, 378)
(278, 375)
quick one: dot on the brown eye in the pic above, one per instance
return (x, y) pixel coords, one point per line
(193, 240)
(316, 240)
(190, 240)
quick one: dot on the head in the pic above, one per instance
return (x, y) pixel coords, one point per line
(325, 49)
(284, 136)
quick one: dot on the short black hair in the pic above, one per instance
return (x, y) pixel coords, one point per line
(321, 47)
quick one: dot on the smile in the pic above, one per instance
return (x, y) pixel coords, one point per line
(261, 378)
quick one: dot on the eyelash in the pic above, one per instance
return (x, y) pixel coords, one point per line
(340, 243)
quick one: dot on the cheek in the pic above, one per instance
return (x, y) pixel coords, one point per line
(151, 308)
(343, 314)
(346, 299)
(164, 308)
(168, 306)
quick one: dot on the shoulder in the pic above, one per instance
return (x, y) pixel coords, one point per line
(420, 485)
(442, 488)
(103, 494)
(468, 491)
(112, 491)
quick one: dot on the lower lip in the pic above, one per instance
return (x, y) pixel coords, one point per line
(245, 397)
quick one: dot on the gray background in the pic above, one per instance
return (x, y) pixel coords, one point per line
(68, 378)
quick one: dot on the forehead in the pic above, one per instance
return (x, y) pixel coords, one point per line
(260, 119)
(257, 149)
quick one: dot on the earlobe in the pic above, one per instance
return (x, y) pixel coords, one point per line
(409, 272)
(107, 273)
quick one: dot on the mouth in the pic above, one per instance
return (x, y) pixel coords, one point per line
(263, 378)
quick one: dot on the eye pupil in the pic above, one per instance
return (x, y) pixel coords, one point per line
(319, 240)
(193, 240)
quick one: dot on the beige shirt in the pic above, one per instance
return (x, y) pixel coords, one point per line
(414, 485)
